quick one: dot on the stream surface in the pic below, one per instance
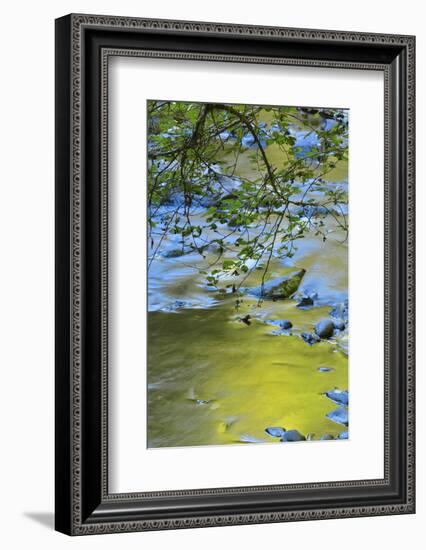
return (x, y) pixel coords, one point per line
(214, 379)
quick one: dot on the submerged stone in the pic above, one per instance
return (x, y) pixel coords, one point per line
(174, 253)
(282, 287)
(292, 435)
(178, 304)
(275, 431)
(339, 415)
(324, 328)
(341, 397)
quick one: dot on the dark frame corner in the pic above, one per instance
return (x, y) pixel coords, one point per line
(83, 44)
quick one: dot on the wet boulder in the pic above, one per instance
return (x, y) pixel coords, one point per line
(340, 397)
(275, 431)
(285, 435)
(339, 415)
(174, 253)
(292, 435)
(324, 328)
(281, 287)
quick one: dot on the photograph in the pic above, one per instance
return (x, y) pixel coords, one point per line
(248, 308)
(234, 259)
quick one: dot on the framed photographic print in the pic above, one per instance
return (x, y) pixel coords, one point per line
(234, 274)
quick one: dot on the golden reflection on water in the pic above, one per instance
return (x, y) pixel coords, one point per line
(213, 379)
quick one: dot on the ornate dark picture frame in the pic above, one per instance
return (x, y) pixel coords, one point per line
(84, 44)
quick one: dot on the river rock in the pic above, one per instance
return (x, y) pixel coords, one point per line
(343, 435)
(292, 435)
(275, 431)
(174, 253)
(281, 287)
(339, 415)
(324, 328)
(341, 397)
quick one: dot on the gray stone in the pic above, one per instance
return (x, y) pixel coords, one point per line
(282, 287)
(339, 415)
(174, 253)
(324, 328)
(275, 431)
(340, 397)
(292, 435)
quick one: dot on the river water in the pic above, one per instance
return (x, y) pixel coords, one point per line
(214, 379)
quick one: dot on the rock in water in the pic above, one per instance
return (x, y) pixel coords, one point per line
(174, 253)
(340, 397)
(292, 435)
(275, 431)
(339, 415)
(286, 324)
(324, 328)
(282, 287)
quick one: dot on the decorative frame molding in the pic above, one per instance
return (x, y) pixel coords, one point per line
(84, 44)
